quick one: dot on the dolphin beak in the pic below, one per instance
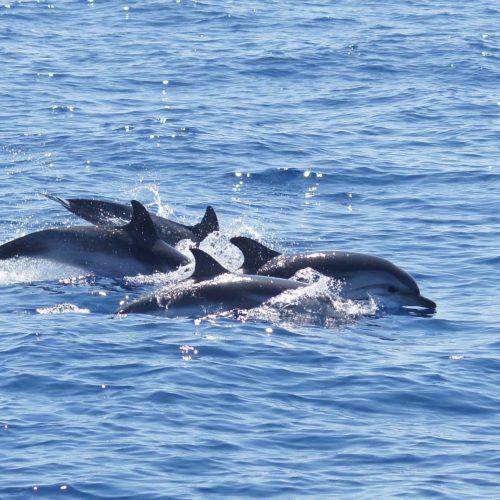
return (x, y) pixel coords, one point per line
(419, 301)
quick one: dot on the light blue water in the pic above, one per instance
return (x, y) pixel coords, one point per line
(363, 126)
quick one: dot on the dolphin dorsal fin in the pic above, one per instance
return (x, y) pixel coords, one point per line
(255, 254)
(141, 224)
(206, 267)
(208, 224)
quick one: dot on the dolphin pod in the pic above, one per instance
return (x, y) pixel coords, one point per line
(128, 240)
(212, 288)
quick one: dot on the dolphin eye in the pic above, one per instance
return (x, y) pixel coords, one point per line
(392, 289)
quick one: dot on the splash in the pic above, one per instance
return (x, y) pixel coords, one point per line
(160, 279)
(26, 270)
(219, 247)
(320, 304)
(162, 210)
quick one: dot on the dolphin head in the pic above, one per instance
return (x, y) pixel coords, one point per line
(388, 285)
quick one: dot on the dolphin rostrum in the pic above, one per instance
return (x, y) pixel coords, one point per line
(212, 288)
(108, 213)
(362, 276)
(107, 251)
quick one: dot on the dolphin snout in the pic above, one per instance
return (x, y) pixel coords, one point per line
(420, 301)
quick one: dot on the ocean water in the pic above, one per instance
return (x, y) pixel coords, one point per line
(348, 125)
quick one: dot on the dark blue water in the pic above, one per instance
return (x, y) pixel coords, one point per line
(362, 126)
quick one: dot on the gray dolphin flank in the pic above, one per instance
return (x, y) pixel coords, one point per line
(363, 276)
(107, 251)
(211, 289)
(109, 213)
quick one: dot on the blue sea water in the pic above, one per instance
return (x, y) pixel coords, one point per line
(363, 126)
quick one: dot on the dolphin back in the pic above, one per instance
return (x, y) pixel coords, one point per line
(98, 212)
(25, 246)
(110, 213)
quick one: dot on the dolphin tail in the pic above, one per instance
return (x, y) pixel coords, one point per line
(206, 267)
(255, 254)
(100, 213)
(65, 203)
(208, 224)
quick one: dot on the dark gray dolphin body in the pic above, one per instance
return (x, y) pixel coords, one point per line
(363, 276)
(210, 289)
(108, 213)
(107, 251)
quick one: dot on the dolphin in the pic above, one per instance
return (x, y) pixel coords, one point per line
(108, 213)
(107, 251)
(211, 288)
(362, 276)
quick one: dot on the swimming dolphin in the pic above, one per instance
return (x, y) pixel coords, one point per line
(108, 213)
(212, 288)
(363, 276)
(107, 251)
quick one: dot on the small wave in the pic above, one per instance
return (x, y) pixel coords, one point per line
(62, 108)
(280, 175)
(63, 309)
